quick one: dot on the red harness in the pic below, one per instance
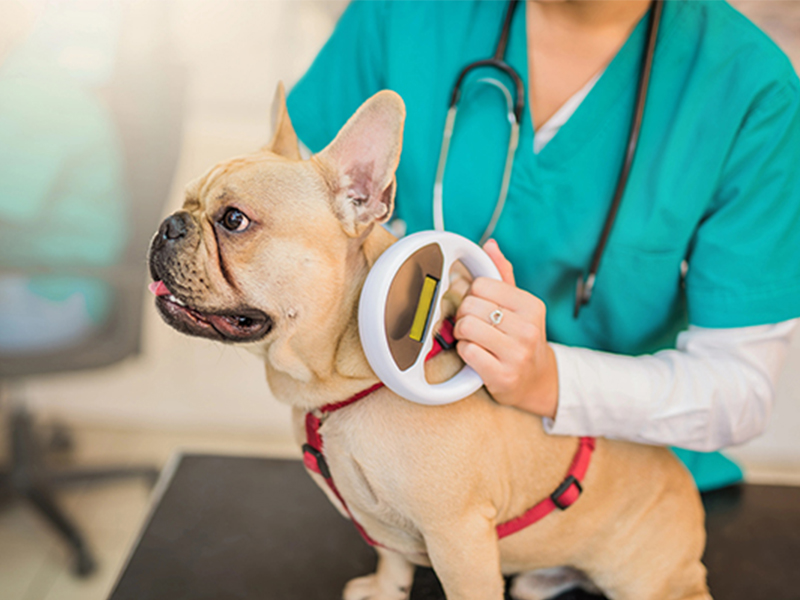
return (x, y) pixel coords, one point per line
(563, 497)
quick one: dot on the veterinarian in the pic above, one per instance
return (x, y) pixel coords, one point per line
(698, 288)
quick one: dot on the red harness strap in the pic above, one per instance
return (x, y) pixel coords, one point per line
(564, 495)
(315, 461)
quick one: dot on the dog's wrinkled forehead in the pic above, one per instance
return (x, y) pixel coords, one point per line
(260, 183)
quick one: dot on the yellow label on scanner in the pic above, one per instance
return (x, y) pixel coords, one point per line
(423, 308)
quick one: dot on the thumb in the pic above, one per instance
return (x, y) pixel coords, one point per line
(506, 270)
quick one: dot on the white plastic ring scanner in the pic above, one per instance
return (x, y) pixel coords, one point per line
(400, 303)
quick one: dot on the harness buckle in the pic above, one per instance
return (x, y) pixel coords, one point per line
(561, 490)
(445, 335)
(322, 465)
(442, 342)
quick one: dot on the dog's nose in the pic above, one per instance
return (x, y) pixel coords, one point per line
(173, 227)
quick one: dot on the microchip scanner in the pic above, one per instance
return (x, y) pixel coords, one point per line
(399, 305)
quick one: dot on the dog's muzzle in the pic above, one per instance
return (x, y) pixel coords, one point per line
(174, 296)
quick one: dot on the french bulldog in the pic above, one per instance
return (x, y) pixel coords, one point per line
(270, 251)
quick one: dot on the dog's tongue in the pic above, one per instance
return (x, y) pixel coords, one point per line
(159, 289)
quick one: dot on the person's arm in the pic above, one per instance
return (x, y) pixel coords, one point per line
(714, 390)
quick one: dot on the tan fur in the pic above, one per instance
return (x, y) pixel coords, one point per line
(428, 482)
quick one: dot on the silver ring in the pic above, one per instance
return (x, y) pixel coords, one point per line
(496, 317)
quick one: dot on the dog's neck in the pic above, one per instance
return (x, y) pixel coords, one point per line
(302, 375)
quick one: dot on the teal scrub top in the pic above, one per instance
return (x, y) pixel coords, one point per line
(715, 180)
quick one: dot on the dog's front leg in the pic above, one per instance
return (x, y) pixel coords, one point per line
(391, 580)
(466, 557)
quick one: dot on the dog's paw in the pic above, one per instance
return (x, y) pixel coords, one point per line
(372, 587)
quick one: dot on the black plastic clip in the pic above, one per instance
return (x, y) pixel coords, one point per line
(442, 342)
(568, 482)
(321, 463)
(445, 345)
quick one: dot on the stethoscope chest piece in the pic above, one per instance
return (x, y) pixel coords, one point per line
(399, 305)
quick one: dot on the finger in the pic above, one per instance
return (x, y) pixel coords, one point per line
(500, 261)
(507, 296)
(475, 330)
(473, 305)
(479, 359)
(483, 309)
(457, 291)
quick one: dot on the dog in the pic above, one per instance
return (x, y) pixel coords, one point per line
(270, 251)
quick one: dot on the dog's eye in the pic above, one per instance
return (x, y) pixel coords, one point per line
(234, 220)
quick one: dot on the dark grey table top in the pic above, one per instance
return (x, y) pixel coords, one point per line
(255, 528)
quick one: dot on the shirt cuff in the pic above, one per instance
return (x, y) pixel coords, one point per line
(602, 394)
(570, 416)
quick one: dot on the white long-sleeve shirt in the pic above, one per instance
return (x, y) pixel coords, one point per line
(716, 389)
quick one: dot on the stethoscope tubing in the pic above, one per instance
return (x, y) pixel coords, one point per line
(516, 109)
(498, 62)
(585, 284)
(438, 204)
(519, 104)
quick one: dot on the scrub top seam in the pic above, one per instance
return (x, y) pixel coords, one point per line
(767, 100)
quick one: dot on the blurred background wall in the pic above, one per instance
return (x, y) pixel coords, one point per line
(234, 53)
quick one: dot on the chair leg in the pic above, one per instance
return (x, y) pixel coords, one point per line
(29, 478)
(42, 500)
(23, 445)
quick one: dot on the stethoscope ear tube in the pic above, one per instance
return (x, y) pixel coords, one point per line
(516, 108)
(438, 185)
(583, 291)
(513, 142)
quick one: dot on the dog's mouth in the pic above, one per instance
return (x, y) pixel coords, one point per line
(242, 325)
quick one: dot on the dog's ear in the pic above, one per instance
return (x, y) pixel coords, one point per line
(284, 139)
(363, 159)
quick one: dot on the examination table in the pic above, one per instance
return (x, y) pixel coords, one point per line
(231, 528)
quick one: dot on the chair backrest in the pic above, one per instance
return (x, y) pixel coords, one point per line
(146, 97)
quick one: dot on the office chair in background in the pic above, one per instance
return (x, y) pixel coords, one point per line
(146, 97)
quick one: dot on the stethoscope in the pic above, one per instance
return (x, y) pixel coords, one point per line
(515, 106)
